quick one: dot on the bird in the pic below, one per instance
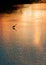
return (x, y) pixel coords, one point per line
(14, 27)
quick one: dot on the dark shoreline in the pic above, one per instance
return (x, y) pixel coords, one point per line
(7, 6)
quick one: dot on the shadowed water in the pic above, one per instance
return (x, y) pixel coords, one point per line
(26, 44)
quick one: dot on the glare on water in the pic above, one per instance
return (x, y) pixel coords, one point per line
(28, 37)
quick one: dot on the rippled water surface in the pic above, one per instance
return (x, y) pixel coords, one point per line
(26, 44)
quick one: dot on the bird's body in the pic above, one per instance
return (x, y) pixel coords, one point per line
(14, 27)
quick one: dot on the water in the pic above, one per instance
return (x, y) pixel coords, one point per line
(25, 45)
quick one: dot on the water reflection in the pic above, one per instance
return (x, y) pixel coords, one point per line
(27, 45)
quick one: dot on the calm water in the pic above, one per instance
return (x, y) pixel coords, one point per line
(26, 45)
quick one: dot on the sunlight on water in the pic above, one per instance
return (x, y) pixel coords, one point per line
(26, 44)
